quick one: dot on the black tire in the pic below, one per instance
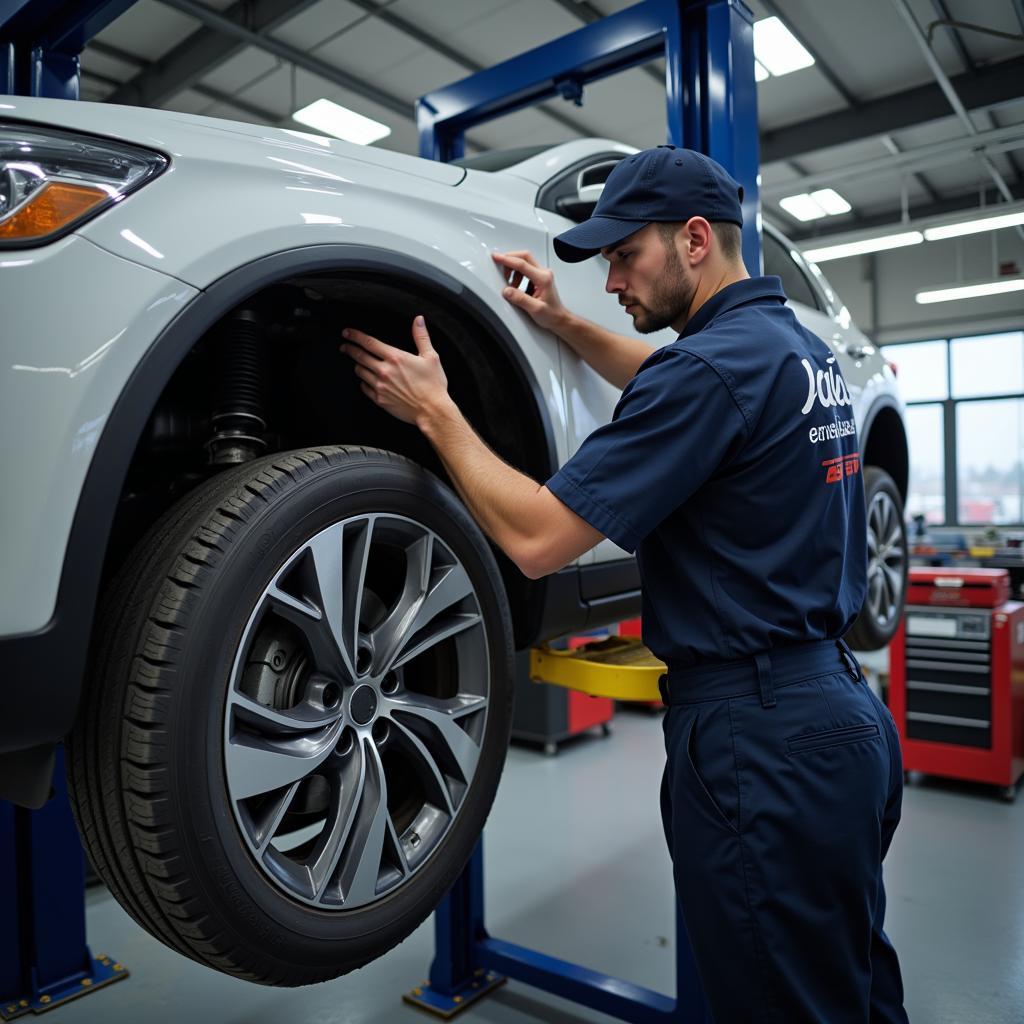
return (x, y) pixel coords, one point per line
(149, 765)
(882, 610)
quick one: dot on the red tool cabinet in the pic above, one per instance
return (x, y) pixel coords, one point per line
(956, 675)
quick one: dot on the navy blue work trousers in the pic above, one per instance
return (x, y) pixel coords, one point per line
(781, 794)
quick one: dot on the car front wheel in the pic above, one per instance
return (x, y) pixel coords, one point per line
(297, 714)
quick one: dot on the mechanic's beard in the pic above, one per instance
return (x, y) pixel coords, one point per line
(670, 299)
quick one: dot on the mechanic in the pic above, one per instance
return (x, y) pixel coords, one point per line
(730, 468)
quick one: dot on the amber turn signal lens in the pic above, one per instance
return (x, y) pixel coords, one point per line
(55, 205)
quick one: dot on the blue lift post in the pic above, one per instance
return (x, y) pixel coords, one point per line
(40, 42)
(44, 959)
(711, 106)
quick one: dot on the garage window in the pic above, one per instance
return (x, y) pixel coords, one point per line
(965, 427)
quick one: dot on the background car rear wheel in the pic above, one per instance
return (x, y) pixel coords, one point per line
(298, 714)
(888, 557)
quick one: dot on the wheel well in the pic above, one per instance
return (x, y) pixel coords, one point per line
(886, 447)
(307, 393)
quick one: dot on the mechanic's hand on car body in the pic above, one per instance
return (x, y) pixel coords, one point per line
(408, 385)
(540, 300)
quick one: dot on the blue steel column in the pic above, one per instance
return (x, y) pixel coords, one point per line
(721, 114)
(44, 959)
(40, 41)
(458, 926)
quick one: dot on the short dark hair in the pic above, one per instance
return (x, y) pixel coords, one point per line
(729, 236)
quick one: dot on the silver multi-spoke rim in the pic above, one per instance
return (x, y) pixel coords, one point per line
(887, 559)
(356, 710)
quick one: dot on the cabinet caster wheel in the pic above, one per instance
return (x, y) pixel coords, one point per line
(550, 749)
(906, 778)
(1009, 793)
(606, 729)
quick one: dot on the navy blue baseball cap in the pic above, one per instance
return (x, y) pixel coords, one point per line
(663, 184)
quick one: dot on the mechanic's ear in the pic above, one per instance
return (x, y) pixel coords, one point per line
(421, 337)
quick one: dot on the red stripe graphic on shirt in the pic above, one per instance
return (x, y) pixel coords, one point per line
(845, 465)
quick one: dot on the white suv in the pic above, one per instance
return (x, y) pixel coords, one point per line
(279, 647)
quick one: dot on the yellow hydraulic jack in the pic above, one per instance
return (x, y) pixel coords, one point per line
(620, 667)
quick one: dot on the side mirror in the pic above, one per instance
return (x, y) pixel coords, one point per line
(590, 181)
(590, 184)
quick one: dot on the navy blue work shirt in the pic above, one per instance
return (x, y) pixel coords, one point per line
(731, 468)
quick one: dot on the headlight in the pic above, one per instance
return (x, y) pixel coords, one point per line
(51, 181)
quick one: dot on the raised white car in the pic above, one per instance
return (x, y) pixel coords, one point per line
(280, 648)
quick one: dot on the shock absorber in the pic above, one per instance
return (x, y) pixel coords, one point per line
(239, 415)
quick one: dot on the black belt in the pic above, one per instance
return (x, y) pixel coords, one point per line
(772, 670)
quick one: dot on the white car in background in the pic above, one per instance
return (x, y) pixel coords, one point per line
(281, 650)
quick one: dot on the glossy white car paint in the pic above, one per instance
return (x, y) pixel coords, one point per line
(80, 313)
(76, 320)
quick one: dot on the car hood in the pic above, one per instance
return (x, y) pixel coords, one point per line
(173, 132)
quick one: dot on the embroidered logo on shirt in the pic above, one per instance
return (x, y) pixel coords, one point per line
(828, 388)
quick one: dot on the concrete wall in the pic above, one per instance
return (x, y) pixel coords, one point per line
(879, 289)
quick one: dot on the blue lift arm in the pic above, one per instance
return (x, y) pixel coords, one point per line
(710, 91)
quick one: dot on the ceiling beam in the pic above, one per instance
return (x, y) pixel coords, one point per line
(965, 202)
(840, 87)
(935, 154)
(990, 87)
(437, 44)
(204, 50)
(958, 40)
(237, 29)
(890, 144)
(903, 6)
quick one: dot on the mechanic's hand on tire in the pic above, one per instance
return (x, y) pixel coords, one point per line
(408, 385)
(540, 300)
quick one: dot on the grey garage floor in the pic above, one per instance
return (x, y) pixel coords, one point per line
(576, 867)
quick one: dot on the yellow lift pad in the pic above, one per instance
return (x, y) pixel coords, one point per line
(620, 667)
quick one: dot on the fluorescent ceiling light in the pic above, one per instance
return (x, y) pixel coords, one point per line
(342, 123)
(831, 201)
(803, 207)
(826, 202)
(777, 48)
(858, 248)
(970, 227)
(760, 72)
(971, 291)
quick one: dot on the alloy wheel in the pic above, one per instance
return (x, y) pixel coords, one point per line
(887, 559)
(356, 711)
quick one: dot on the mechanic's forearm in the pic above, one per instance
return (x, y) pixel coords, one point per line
(616, 357)
(497, 495)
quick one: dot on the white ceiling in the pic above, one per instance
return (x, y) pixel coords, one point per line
(865, 47)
